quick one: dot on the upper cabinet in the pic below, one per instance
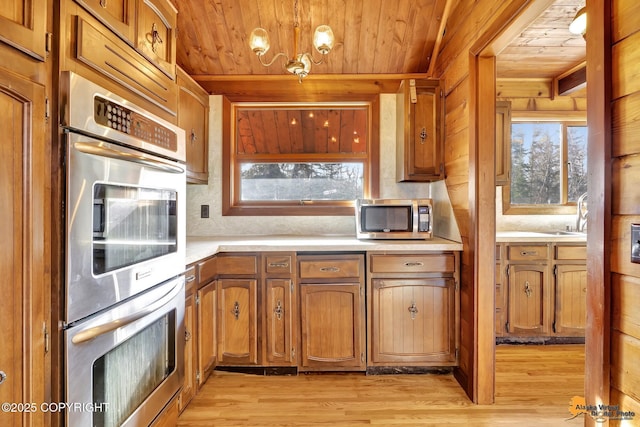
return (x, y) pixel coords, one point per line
(23, 26)
(503, 142)
(124, 44)
(419, 155)
(193, 112)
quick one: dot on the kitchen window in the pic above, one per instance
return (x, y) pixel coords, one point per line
(299, 159)
(548, 169)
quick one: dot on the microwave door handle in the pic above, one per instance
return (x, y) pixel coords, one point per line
(129, 157)
(95, 331)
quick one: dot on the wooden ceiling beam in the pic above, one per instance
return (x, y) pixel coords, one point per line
(572, 80)
(314, 88)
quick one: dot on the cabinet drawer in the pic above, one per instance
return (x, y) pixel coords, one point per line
(334, 268)
(278, 264)
(571, 252)
(237, 264)
(528, 252)
(206, 270)
(412, 263)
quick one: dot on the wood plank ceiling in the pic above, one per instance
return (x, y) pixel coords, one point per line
(375, 40)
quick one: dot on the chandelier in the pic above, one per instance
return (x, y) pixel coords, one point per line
(300, 63)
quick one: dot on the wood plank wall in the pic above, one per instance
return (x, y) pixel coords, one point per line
(625, 209)
(467, 23)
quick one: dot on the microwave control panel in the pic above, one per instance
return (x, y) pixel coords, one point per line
(424, 219)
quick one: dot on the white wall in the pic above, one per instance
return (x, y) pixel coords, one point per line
(211, 194)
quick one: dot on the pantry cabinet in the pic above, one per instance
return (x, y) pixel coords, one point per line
(332, 311)
(412, 309)
(419, 142)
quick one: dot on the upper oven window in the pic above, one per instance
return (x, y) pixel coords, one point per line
(131, 225)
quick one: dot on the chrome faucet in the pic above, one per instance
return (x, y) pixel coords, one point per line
(581, 217)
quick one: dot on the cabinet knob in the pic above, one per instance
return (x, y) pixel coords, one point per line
(527, 289)
(194, 137)
(103, 4)
(423, 135)
(155, 37)
(3, 377)
(278, 310)
(187, 335)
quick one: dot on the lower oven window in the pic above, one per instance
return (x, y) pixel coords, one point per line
(125, 376)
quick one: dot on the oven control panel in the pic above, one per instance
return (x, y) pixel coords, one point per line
(122, 119)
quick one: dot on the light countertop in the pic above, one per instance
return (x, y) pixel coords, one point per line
(539, 236)
(202, 247)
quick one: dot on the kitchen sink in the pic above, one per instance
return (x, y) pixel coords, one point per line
(565, 233)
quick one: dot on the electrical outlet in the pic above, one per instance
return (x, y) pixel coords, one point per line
(635, 243)
(204, 211)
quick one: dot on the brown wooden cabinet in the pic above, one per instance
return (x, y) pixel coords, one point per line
(206, 303)
(332, 311)
(25, 185)
(279, 310)
(237, 309)
(501, 319)
(419, 145)
(189, 385)
(503, 142)
(156, 33)
(117, 15)
(539, 305)
(412, 309)
(23, 26)
(193, 117)
(570, 289)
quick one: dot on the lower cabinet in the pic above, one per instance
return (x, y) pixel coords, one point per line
(413, 321)
(190, 347)
(527, 309)
(237, 317)
(538, 304)
(332, 311)
(206, 318)
(413, 309)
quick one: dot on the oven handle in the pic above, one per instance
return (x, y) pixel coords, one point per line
(130, 157)
(95, 331)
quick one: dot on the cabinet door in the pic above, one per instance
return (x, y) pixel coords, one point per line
(331, 317)
(419, 145)
(570, 311)
(279, 320)
(206, 305)
(23, 26)
(190, 378)
(118, 15)
(157, 34)
(413, 320)
(526, 299)
(193, 108)
(24, 266)
(237, 322)
(503, 142)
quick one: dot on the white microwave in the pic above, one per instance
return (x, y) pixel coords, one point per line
(394, 218)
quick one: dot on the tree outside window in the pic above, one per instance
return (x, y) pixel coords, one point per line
(548, 166)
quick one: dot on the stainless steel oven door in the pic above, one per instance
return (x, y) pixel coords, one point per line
(124, 365)
(125, 219)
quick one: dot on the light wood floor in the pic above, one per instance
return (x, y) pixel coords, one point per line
(534, 386)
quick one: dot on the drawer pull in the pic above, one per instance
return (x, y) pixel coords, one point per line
(329, 269)
(191, 279)
(413, 264)
(529, 253)
(279, 264)
(278, 310)
(527, 289)
(413, 310)
(236, 310)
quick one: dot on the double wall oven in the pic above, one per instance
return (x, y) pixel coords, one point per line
(125, 257)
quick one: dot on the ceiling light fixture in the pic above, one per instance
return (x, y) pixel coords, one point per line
(579, 24)
(300, 63)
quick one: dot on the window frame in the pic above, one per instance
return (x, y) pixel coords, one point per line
(233, 206)
(565, 207)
